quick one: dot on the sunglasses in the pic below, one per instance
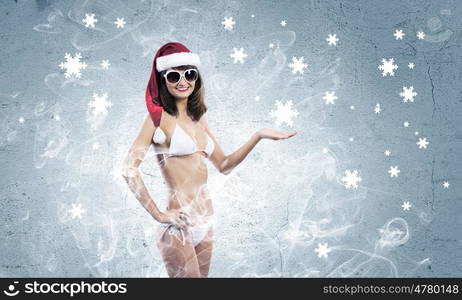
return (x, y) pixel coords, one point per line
(173, 76)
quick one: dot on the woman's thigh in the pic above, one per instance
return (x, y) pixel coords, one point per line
(180, 260)
(204, 253)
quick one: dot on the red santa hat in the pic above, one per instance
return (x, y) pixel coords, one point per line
(170, 55)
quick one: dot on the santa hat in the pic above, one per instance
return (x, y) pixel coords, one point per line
(168, 56)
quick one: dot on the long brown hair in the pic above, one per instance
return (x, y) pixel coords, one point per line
(196, 105)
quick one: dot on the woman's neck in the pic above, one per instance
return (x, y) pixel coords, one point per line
(182, 106)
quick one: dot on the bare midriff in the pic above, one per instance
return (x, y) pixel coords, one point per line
(186, 179)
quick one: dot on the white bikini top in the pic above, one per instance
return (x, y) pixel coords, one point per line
(181, 143)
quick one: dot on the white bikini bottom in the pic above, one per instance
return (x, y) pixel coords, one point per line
(197, 232)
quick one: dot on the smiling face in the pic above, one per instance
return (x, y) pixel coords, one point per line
(183, 88)
(171, 93)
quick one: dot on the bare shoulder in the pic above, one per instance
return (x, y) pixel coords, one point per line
(148, 123)
(203, 121)
(147, 130)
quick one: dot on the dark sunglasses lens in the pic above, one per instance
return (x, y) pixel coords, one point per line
(190, 75)
(173, 77)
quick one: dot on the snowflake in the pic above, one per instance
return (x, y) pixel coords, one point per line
(388, 67)
(21, 120)
(332, 39)
(322, 250)
(330, 97)
(422, 143)
(297, 65)
(100, 104)
(283, 23)
(120, 22)
(377, 108)
(387, 152)
(228, 23)
(76, 211)
(420, 35)
(393, 171)
(408, 94)
(351, 179)
(271, 45)
(105, 64)
(90, 20)
(406, 124)
(406, 205)
(399, 34)
(238, 55)
(445, 184)
(411, 65)
(284, 113)
(73, 65)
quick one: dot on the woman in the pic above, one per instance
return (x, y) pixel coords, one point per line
(177, 128)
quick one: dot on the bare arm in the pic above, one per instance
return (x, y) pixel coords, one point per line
(235, 158)
(130, 167)
(226, 163)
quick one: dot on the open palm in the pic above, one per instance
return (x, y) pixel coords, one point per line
(268, 133)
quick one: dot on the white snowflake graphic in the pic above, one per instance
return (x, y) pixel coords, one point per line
(394, 171)
(284, 113)
(420, 35)
(120, 22)
(90, 20)
(377, 108)
(351, 179)
(238, 55)
(406, 205)
(387, 152)
(406, 124)
(399, 34)
(100, 104)
(388, 67)
(446, 184)
(76, 211)
(330, 97)
(297, 65)
(73, 65)
(322, 250)
(411, 65)
(408, 94)
(283, 23)
(228, 23)
(105, 64)
(422, 143)
(332, 39)
(21, 120)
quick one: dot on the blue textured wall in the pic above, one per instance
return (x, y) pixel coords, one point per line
(287, 198)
